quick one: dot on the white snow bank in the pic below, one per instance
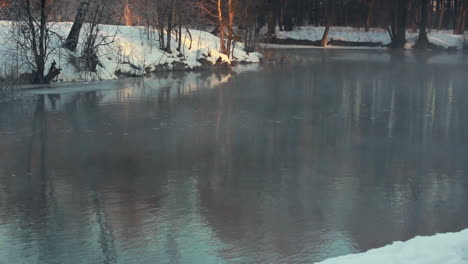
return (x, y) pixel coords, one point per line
(443, 38)
(130, 52)
(449, 248)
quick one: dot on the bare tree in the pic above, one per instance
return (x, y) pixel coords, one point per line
(93, 38)
(215, 11)
(33, 36)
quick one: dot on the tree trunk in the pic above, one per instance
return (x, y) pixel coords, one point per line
(441, 14)
(370, 11)
(128, 14)
(423, 42)
(230, 26)
(73, 36)
(221, 28)
(325, 35)
(170, 25)
(328, 21)
(288, 16)
(461, 18)
(179, 48)
(162, 42)
(399, 24)
(160, 28)
(41, 53)
(273, 18)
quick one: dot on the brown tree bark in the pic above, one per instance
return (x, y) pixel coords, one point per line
(461, 18)
(222, 31)
(328, 21)
(370, 12)
(324, 41)
(230, 26)
(441, 14)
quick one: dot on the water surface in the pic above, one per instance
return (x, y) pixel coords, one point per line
(320, 154)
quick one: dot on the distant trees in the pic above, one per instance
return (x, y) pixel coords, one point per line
(166, 17)
(397, 15)
(250, 17)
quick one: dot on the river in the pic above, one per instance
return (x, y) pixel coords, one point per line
(317, 154)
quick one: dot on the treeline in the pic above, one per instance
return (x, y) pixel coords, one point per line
(246, 21)
(442, 14)
(248, 17)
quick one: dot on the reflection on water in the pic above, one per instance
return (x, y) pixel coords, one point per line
(294, 163)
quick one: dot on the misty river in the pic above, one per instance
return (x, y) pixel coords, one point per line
(315, 154)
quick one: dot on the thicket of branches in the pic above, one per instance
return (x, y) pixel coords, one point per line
(33, 35)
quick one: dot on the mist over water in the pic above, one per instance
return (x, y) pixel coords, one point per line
(317, 154)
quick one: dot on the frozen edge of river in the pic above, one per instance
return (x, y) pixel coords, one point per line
(447, 248)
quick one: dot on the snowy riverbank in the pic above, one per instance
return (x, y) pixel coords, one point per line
(130, 52)
(444, 38)
(449, 248)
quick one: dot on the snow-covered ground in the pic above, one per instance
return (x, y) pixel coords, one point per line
(443, 38)
(130, 52)
(449, 248)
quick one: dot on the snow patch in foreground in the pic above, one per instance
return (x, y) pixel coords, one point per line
(449, 248)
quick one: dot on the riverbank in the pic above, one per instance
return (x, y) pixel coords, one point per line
(128, 51)
(357, 37)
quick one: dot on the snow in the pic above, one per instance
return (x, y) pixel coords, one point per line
(443, 38)
(449, 248)
(129, 52)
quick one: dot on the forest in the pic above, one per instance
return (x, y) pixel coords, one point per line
(245, 19)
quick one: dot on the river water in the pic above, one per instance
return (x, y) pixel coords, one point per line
(317, 154)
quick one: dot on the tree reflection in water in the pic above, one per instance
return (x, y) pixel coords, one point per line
(295, 163)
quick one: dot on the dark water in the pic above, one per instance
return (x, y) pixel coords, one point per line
(322, 154)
